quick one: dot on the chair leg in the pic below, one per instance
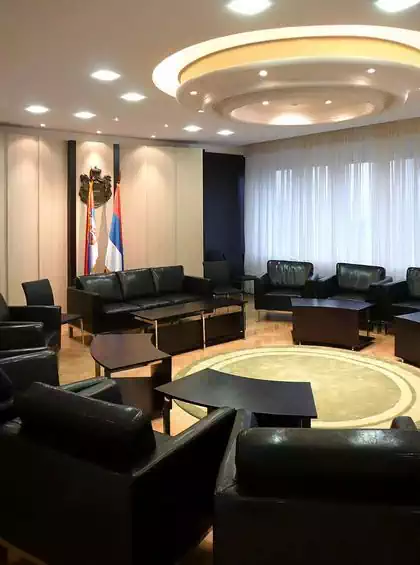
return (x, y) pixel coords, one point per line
(70, 331)
(82, 331)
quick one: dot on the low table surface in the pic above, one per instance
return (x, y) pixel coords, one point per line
(355, 305)
(214, 389)
(118, 351)
(413, 317)
(178, 311)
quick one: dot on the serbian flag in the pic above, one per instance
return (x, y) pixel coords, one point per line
(91, 241)
(114, 260)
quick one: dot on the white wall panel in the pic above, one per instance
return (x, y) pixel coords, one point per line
(23, 214)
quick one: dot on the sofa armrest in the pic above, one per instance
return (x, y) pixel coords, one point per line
(87, 304)
(395, 291)
(50, 316)
(327, 286)
(262, 285)
(227, 472)
(24, 335)
(103, 389)
(386, 280)
(198, 285)
(310, 289)
(404, 423)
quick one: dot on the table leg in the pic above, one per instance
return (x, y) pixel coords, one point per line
(97, 370)
(156, 335)
(107, 374)
(367, 323)
(160, 374)
(167, 416)
(203, 322)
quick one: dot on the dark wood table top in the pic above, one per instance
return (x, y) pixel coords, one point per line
(413, 317)
(178, 311)
(354, 305)
(214, 389)
(119, 351)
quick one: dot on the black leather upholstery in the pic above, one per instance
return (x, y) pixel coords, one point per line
(329, 497)
(6, 396)
(21, 335)
(283, 281)
(168, 279)
(358, 277)
(4, 310)
(23, 370)
(401, 297)
(38, 293)
(292, 274)
(413, 281)
(107, 286)
(119, 308)
(180, 298)
(150, 302)
(136, 283)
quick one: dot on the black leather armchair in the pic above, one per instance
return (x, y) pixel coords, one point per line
(283, 281)
(353, 282)
(128, 495)
(401, 297)
(18, 338)
(300, 496)
(49, 316)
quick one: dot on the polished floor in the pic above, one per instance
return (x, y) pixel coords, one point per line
(273, 330)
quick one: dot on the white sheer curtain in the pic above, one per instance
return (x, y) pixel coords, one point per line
(349, 196)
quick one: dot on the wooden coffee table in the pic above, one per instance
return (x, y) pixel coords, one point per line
(331, 322)
(117, 352)
(407, 337)
(290, 404)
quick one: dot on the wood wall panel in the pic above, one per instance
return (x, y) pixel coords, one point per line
(3, 216)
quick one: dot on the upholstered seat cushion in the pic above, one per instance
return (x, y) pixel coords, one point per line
(107, 286)
(181, 298)
(293, 292)
(360, 296)
(150, 302)
(226, 289)
(406, 307)
(119, 308)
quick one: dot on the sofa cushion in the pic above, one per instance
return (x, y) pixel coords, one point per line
(289, 273)
(284, 292)
(413, 282)
(136, 283)
(168, 279)
(107, 286)
(358, 277)
(181, 298)
(150, 302)
(4, 310)
(119, 308)
(111, 434)
(406, 307)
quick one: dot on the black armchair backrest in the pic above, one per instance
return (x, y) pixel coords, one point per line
(358, 277)
(38, 293)
(293, 274)
(23, 370)
(413, 281)
(4, 310)
(217, 271)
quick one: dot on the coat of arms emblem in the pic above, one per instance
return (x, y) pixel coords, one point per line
(102, 187)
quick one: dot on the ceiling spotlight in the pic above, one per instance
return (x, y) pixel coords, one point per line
(225, 132)
(192, 128)
(263, 73)
(98, 131)
(37, 109)
(153, 136)
(395, 5)
(105, 75)
(265, 103)
(166, 125)
(201, 111)
(133, 97)
(249, 7)
(84, 115)
(116, 119)
(371, 71)
(193, 93)
(328, 102)
(42, 125)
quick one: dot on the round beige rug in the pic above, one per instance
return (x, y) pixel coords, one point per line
(351, 390)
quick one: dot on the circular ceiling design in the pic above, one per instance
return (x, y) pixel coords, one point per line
(312, 75)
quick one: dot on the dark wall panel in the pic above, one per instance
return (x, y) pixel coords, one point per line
(223, 206)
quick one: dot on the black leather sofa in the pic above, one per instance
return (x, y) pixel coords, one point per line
(47, 317)
(328, 497)
(84, 481)
(283, 281)
(401, 297)
(106, 301)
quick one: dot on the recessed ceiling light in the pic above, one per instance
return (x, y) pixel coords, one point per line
(192, 128)
(263, 73)
(249, 7)
(395, 5)
(84, 115)
(265, 103)
(133, 97)
(193, 93)
(201, 111)
(105, 75)
(37, 109)
(153, 136)
(42, 125)
(98, 131)
(116, 119)
(166, 125)
(371, 71)
(225, 132)
(328, 102)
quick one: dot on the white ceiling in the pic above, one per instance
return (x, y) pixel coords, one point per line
(48, 48)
